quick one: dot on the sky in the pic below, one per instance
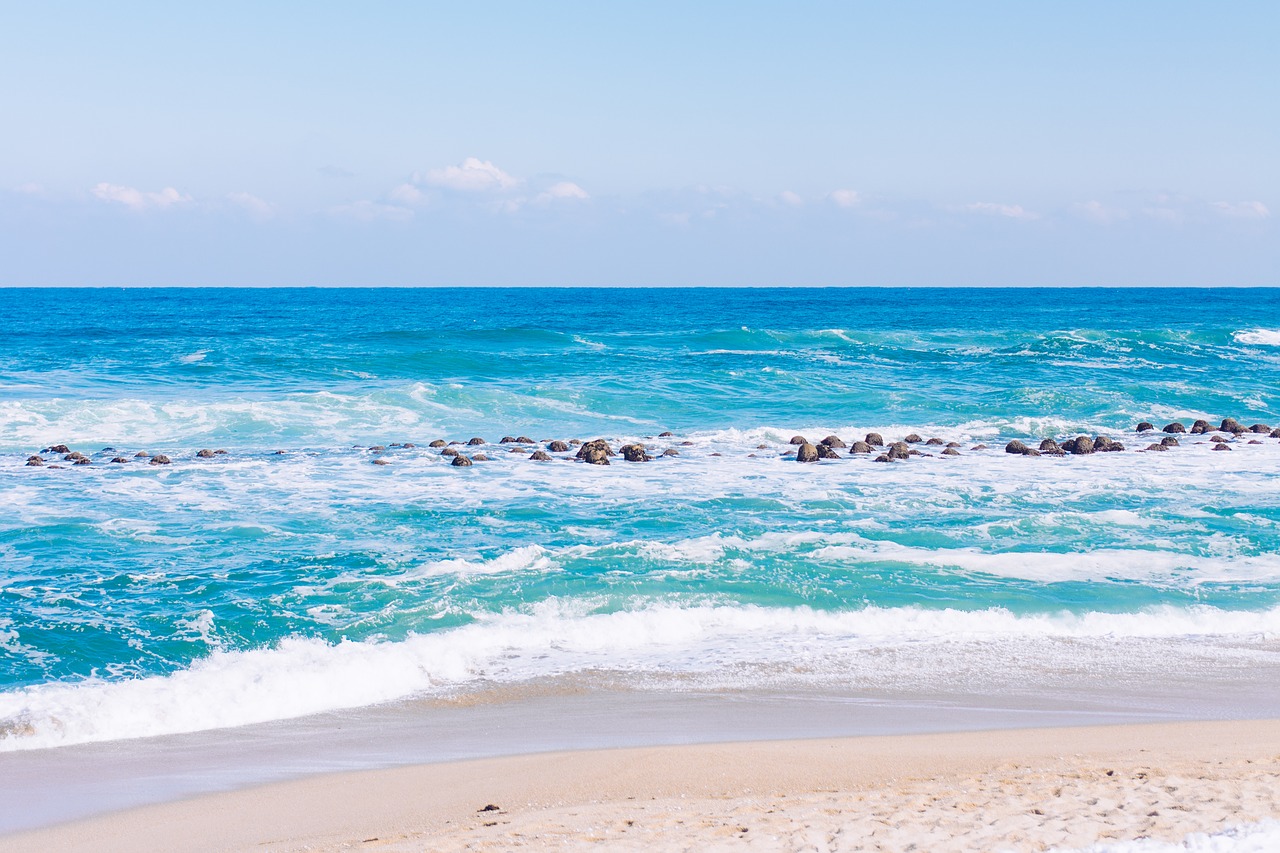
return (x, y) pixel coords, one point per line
(665, 143)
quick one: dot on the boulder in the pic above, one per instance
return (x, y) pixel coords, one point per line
(558, 447)
(1222, 447)
(1160, 446)
(1218, 438)
(120, 460)
(507, 439)
(827, 452)
(141, 454)
(806, 452)
(1145, 426)
(379, 461)
(1254, 441)
(540, 456)
(860, 447)
(671, 451)
(1104, 444)
(874, 439)
(35, 461)
(83, 460)
(597, 447)
(953, 444)
(161, 459)
(833, 441)
(686, 444)
(1231, 425)
(224, 453)
(1275, 433)
(524, 439)
(448, 451)
(950, 451)
(936, 442)
(899, 450)
(913, 439)
(883, 457)
(1048, 445)
(575, 442)
(205, 454)
(1175, 428)
(1031, 451)
(461, 461)
(377, 448)
(1169, 441)
(978, 447)
(58, 448)
(439, 442)
(1080, 445)
(1261, 429)
(1200, 427)
(476, 441)
(407, 446)
(666, 434)
(517, 450)
(74, 456)
(798, 440)
(1016, 446)
(479, 457)
(635, 453)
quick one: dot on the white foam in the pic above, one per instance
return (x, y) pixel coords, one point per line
(1261, 837)
(706, 643)
(1260, 337)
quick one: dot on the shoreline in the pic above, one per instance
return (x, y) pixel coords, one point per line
(1226, 772)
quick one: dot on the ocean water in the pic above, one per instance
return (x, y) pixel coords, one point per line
(291, 576)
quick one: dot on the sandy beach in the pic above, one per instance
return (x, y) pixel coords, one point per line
(1028, 789)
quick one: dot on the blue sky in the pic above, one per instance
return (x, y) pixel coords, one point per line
(664, 143)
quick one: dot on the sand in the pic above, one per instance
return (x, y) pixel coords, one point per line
(1030, 789)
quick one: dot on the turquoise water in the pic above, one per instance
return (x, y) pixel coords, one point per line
(290, 575)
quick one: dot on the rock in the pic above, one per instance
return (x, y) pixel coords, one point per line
(686, 444)
(913, 439)
(120, 460)
(833, 441)
(914, 452)
(715, 454)
(507, 439)
(874, 439)
(475, 442)
(1175, 428)
(806, 453)
(762, 447)
(1218, 438)
(666, 434)
(35, 461)
(461, 461)
(595, 456)
(224, 453)
(448, 451)
(1261, 429)
(540, 456)
(439, 442)
(380, 461)
(1222, 447)
(1049, 446)
(205, 454)
(1031, 451)
(936, 442)
(1016, 446)
(516, 450)
(951, 451)
(1169, 441)
(83, 460)
(1200, 427)
(635, 453)
(798, 440)
(377, 448)
(58, 448)
(883, 457)
(978, 447)
(899, 450)
(524, 439)
(827, 452)
(1160, 446)
(1275, 433)
(161, 459)
(860, 447)
(953, 444)
(1104, 444)
(1254, 441)
(558, 447)
(407, 446)
(479, 457)
(671, 451)
(1231, 425)
(1145, 426)
(598, 446)
(1080, 445)
(575, 441)
(141, 454)
(74, 456)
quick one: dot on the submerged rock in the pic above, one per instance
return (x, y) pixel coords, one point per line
(671, 451)
(1261, 429)
(540, 456)
(120, 460)
(1016, 446)
(833, 441)
(1160, 446)
(74, 456)
(883, 457)
(827, 452)
(83, 460)
(1222, 447)
(666, 434)
(58, 448)
(935, 442)
(161, 459)
(524, 439)
(448, 451)
(208, 454)
(558, 447)
(874, 439)
(141, 454)
(479, 457)
(806, 452)
(35, 461)
(379, 461)
(635, 453)
(507, 439)
(978, 447)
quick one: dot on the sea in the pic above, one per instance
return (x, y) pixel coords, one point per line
(325, 562)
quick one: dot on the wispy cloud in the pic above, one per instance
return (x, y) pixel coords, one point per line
(791, 199)
(136, 199)
(29, 188)
(1096, 211)
(1011, 211)
(562, 191)
(474, 175)
(844, 198)
(372, 211)
(1241, 209)
(252, 205)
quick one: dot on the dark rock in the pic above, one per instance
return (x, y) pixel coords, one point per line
(1254, 441)
(833, 441)
(575, 442)
(558, 447)
(635, 453)
(1261, 429)
(914, 452)
(978, 447)
(762, 447)
(35, 461)
(83, 460)
(1048, 445)
(715, 454)
(224, 453)
(120, 460)
(860, 447)
(913, 439)
(107, 450)
(883, 457)
(1031, 451)
(1222, 447)
(461, 461)
(205, 454)
(141, 454)
(874, 439)
(1169, 441)
(899, 450)
(58, 448)
(540, 456)
(1175, 428)
(524, 439)
(278, 453)
(806, 452)
(395, 444)
(380, 461)
(1145, 426)
(448, 451)
(479, 457)
(1104, 444)
(408, 445)
(456, 444)
(1161, 446)
(377, 448)
(74, 456)
(798, 440)
(686, 444)
(1080, 445)
(1016, 446)
(599, 445)
(507, 439)
(1218, 438)
(666, 434)
(671, 451)
(161, 459)
(827, 452)
(439, 442)
(476, 441)
(1275, 433)
(953, 444)
(1231, 425)
(936, 442)
(1200, 427)
(951, 451)
(517, 450)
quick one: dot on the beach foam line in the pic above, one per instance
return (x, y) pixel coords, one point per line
(737, 647)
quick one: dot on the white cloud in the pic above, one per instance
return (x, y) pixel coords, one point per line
(844, 198)
(373, 211)
(474, 175)
(792, 199)
(1242, 209)
(1012, 211)
(407, 194)
(1164, 214)
(252, 204)
(562, 191)
(136, 199)
(1099, 212)
(29, 188)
